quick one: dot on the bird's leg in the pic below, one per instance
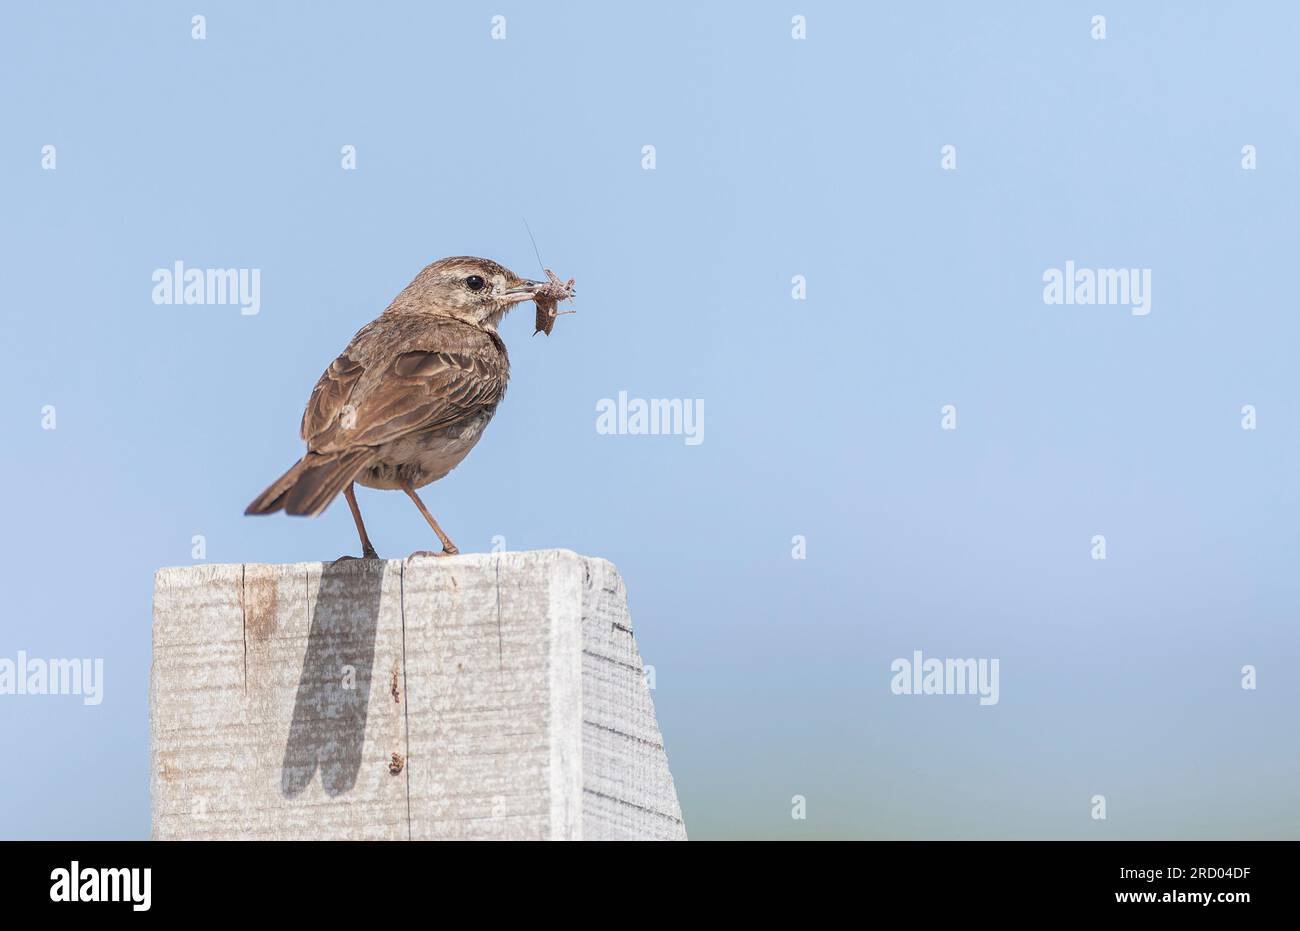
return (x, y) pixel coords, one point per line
(367, 551)
(448, 548)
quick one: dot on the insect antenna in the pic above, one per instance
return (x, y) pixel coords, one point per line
(536, 251)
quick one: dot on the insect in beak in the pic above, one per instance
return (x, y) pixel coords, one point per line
(548, 296)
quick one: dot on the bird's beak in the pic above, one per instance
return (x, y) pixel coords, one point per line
(523, 291)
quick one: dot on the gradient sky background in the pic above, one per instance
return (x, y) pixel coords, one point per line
(822, 417)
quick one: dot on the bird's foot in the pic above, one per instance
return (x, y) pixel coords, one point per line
(447, 551)
(368, 554)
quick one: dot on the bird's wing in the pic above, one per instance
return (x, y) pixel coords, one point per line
(441, 376)
(330, 394)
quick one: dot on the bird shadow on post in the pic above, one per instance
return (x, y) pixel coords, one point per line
(328, 729)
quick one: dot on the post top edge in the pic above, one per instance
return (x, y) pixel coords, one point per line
(539, 556)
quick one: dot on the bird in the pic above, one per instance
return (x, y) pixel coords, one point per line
(409, 397)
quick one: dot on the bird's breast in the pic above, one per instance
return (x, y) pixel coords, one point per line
(424, 457)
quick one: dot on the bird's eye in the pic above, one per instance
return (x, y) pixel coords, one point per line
(475, 283)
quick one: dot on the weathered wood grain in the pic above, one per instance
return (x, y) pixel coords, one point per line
(482, 696)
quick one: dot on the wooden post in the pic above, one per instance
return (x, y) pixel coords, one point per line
(481, 696)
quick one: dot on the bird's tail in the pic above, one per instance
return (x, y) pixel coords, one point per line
(312, 483)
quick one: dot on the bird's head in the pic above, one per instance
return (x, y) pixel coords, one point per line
(475, 290)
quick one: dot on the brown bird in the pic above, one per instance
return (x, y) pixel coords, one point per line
(411, 395)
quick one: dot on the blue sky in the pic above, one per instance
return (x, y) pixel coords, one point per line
(774, 158)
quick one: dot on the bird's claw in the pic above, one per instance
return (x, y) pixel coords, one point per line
(449, 551)
(370, 555)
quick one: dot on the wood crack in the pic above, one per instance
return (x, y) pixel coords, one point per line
(406, 692)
